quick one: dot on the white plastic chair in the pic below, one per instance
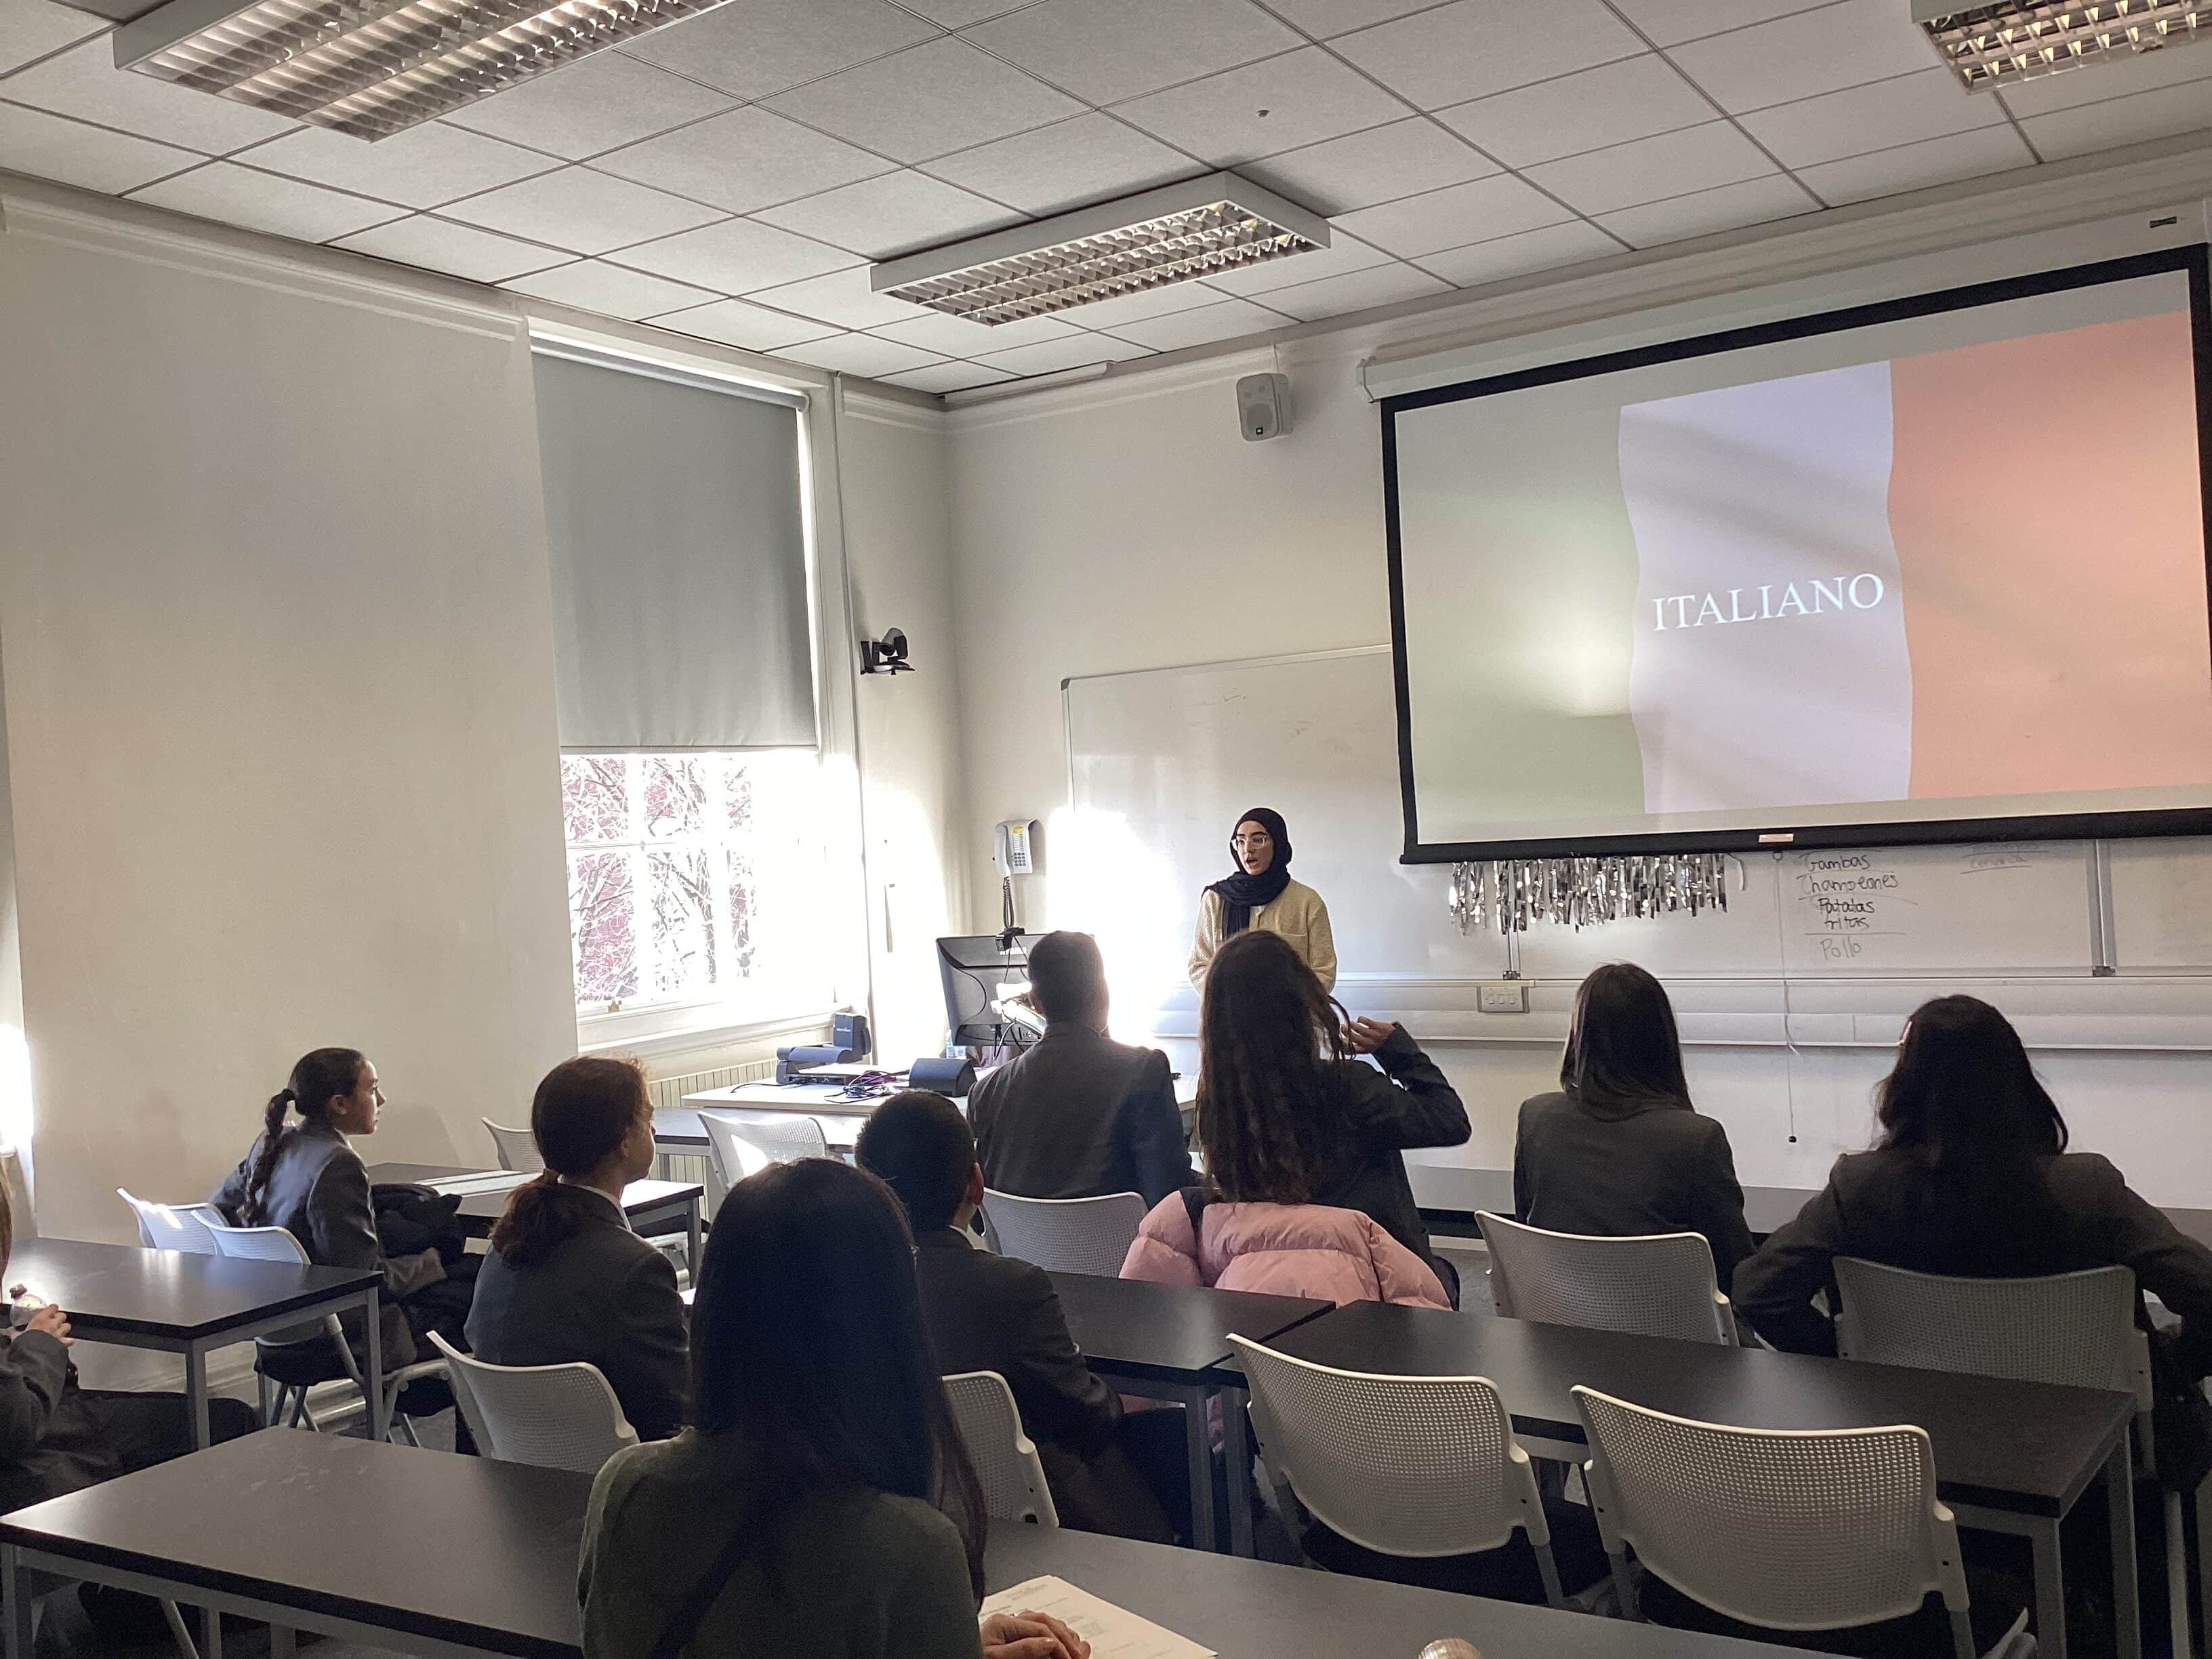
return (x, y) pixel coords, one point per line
(516, 1149)
(1796, 1529)
(175, 1226)
(1420, 1466)
(559, 1417)
(738, 1148)
(276, 1244)
(2076, 1330)
(1070, 1235)
(1006, 1459)
(1652, 1284)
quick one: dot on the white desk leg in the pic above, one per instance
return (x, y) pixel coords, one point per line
(2050, 1592)
(380, 1421)
(1199, 1445)
(2120, 1503)
(1237, 1447)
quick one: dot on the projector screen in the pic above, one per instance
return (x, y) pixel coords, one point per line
(1929, 570)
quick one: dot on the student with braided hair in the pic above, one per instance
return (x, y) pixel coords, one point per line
(306, 1178)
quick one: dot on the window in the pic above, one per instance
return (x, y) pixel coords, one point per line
(687, 880)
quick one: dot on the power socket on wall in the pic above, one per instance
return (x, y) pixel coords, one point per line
(1503, 996)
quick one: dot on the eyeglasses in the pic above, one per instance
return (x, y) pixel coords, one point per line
(1262, 839)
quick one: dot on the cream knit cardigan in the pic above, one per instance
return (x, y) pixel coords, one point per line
(1298, 915)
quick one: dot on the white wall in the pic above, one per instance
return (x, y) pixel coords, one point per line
(1126, 524)
(898, 553)
(276, 625)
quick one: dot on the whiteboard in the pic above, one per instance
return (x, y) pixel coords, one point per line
(1161, 762)
(2162, 905)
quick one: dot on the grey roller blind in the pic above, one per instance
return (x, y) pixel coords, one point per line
(679, 562)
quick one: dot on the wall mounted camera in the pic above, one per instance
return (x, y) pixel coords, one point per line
(886, 655)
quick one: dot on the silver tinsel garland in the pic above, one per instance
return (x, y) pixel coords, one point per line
(1512, 894)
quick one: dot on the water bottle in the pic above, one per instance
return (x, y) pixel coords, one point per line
(1450, 1647)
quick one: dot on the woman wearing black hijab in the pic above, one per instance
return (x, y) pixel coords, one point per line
(1259, 892)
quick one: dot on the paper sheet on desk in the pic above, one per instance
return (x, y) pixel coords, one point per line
(468, 1186)
(1113, 1633)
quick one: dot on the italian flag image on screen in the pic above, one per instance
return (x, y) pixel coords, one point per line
(1977, 572)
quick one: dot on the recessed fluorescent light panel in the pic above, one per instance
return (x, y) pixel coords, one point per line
(2019, 40)
(373, 68)
(1199, 228)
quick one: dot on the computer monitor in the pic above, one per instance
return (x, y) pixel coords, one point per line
(976, 975)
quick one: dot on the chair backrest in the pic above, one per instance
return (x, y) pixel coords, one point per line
(1797, 1529)
(259, 1244)
(175, 1226)
(517, 1149)
(1006, 1459)
(2076, 1328)
(1653, 1285)
(1408, 1466)
(1072, 1235)
(559, 1417)
(744, 1146)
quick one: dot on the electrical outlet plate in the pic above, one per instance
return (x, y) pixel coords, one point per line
(1503, 996)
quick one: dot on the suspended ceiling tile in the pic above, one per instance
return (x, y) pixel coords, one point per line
(1335, 296)
(1918, 166)
(2122, 120)
(741, 323)
(1282, 103)
(1455, 216)
(894, 214)
(92, 158)
(1451, 53)
(846, 298)
(463, 251)
(928, 101)
(1105, 51)
(1077, 351)
(1518, 255)
(232, 195)
(422, 168)
(1880, 116)
(751, 48)
(1381, 164)
(1052, 169)
(32, 28)
(595, 285)
(1635, 98)
(1753, 202)
(1222, 320)
(748, 159)
(580, 209)
(1652, 169)
(1807, 53)
(84, 81)
(955, 337)
(862, 353)
(1670, 22)
(605, 100)
(948, 377)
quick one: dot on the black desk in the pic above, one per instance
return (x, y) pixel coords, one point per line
(176, 1302)
(325, 1533)
(2009, 1456)
(655, 1207)
(1246, 1609)
(1171, 1342)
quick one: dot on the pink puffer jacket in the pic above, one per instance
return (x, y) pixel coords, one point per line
(1282, 1249)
